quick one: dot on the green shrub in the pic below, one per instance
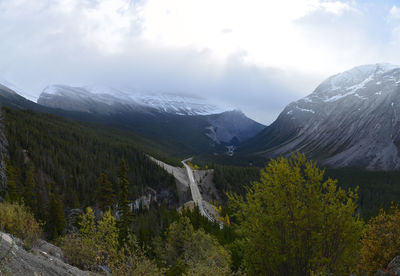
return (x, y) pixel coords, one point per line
(19, 221)
(80, 252)
(97, 244)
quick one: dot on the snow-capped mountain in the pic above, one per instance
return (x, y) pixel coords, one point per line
(100, 99)
(156, 115)
(351, 119)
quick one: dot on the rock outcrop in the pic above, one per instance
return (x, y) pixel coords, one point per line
(393, 268)
(44, 259)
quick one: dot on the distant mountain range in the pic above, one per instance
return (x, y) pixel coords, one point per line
(181, 125)
(352, 119)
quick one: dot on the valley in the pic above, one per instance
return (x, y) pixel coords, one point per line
(67, 152)
(198, 138)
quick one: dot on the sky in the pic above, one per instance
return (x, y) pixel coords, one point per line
(253, 55)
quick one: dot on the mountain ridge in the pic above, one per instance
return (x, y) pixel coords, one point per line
(350, 120)
(102, 99)
(178, 135)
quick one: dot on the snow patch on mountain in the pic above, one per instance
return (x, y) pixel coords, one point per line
(164, 102)
(305, 110)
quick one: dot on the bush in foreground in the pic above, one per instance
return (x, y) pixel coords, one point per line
(191, 252)
(17, 220)
(380, 241)
(97, 245)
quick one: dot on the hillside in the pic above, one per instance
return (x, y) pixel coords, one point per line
(67, 158)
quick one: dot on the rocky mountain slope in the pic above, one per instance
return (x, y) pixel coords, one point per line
(351, 119)
(232, 127)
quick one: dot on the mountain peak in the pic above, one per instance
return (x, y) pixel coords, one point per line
(351, 119)
(358, 75)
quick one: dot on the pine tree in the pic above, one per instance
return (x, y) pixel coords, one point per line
(105, 194)
(11, 195)
(87, 225)
(56, 217)
(107, 238)
(123, 205)
(30, 184)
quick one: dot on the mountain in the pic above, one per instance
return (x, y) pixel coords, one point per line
(105, 100)
(156, 116)
(352, 119)
(232, 127)
(10, 97)
(176, 125)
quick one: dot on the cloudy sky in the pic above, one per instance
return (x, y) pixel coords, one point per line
(255, 55)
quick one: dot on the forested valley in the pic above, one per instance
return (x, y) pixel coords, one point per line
(77, 185)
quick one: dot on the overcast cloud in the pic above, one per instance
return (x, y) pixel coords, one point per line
(256, 56)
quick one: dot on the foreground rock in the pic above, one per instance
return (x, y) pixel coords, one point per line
(393, 268)
(44, 259)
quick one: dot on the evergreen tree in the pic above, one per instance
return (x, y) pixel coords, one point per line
(107, 238)
(105, 194)
(11, 195)
(29, 188)
(123, 205)
(56, 217)
(87, 224)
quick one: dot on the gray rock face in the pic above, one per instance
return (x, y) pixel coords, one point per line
(232, 127)
(351, 119)
(45, 259)
(3, 155)
(393, 268)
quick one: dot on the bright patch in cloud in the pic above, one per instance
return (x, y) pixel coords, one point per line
(264, 32)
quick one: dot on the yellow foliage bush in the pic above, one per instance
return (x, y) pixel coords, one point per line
(380, 241)
(80, 252)
(19, 221)
(97, 244)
